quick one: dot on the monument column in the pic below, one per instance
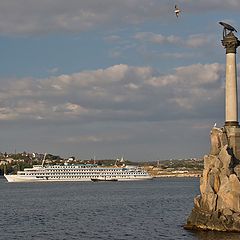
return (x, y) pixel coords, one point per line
(231, 128)
(218, 205)
(230, 42)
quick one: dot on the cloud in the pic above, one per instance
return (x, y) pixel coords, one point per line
(156, 38)
(117, 93)
(178, 55)
(199, 40)
(192, 41)
(53, 70)
(23, 17)
(28, 17)
(115, 54)
(112, 38)
(100, 137)
(190, 76)
(213, 5)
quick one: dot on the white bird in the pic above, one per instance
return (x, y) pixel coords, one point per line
(177, 10)
(215, 124)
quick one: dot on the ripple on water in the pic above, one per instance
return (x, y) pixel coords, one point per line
(124, 210)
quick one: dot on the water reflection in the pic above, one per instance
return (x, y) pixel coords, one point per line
(213, 235)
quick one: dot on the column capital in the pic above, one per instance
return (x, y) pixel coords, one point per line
(230, 42)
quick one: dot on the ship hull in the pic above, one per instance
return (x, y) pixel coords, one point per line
(16, 178)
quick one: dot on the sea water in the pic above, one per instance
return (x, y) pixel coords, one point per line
(153, 209)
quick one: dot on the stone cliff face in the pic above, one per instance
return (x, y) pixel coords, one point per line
(218, 205)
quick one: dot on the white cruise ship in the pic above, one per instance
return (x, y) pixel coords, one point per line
(78, 172)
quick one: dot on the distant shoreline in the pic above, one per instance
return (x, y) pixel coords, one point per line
(178, 175)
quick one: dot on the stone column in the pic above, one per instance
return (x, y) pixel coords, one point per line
(218, 206)
(231, 128)
(230, 42)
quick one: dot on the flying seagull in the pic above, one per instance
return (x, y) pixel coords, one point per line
(228, 27)
(177, 10)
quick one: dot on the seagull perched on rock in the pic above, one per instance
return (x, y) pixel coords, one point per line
(215, 125)
(177, 10)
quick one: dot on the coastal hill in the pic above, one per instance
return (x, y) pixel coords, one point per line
(176, 168)
(192, 167)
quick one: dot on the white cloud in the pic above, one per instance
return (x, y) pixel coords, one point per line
(191, 41)
(37, 17)
(183, 102)
(199, 40)
(190, 76)
(53, 70)
(156, 38)
(213, 5)
(120, 92)
(199, 74)
(69, 109)
(34, 16)
(178, 55)
(96, 138)
(112, 38)
(115, 54)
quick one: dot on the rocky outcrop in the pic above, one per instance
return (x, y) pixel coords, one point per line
(218, 205)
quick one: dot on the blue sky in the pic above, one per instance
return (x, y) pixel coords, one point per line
(112, 78)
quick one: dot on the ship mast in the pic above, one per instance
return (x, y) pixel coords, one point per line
(44, 159)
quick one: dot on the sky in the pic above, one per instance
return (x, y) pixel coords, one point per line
(112, 78)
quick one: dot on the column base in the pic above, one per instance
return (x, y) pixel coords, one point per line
(232, 123)
(233, 139)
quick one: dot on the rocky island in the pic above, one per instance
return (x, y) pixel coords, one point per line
(218, 205)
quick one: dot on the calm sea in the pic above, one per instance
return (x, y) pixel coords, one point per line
(154, 209)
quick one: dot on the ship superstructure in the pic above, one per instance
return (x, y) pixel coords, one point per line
(78, 172)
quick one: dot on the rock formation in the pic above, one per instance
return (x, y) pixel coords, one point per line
(218, 205)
